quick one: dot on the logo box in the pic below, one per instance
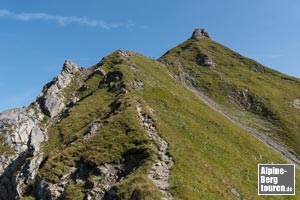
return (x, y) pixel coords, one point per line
(276, 179)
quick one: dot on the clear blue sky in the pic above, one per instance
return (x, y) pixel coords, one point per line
(37, 36)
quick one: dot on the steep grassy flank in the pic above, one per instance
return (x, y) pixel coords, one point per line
(212, 156)
(103, 101)
(258, 96)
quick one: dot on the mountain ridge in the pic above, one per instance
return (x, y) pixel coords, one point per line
(288, 153)
(130, 127)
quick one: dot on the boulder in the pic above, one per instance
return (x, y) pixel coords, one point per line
(205, 60)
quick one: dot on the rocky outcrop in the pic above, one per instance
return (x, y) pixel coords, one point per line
(250, 102)
(93, 130)
(160, 171)
(296, 103)
(200, 33)
(23, 134)
(205, 60)
(52, 100)
(23, 131)
(258, 68)
(98, 179)
(114, 81)
(101, 185)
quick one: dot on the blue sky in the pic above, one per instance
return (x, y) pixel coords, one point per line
(36, 37)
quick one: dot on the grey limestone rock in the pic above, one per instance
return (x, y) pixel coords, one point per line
(200, 33)
(23, 133)
(70, 67)
(23, 136)
(51, 100)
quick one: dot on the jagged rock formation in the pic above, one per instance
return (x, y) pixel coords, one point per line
(200, 33)
(23, 135)
(51, 100)
(130, 127)
(24, 131)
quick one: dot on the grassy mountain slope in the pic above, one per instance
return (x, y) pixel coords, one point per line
(103, 102)
(253, 94)
(214, 158)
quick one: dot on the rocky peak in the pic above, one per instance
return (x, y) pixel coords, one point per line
(52, 100)
(200, 33)
(70, 67)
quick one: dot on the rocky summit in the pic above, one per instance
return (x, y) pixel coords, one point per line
(192, 124)
(200, 33)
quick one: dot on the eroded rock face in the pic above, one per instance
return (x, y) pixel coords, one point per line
(51, 100)
(23, 134)
(23, 131)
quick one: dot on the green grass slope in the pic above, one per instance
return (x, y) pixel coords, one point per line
(103, 101)
(256, 95)
(214, 158)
